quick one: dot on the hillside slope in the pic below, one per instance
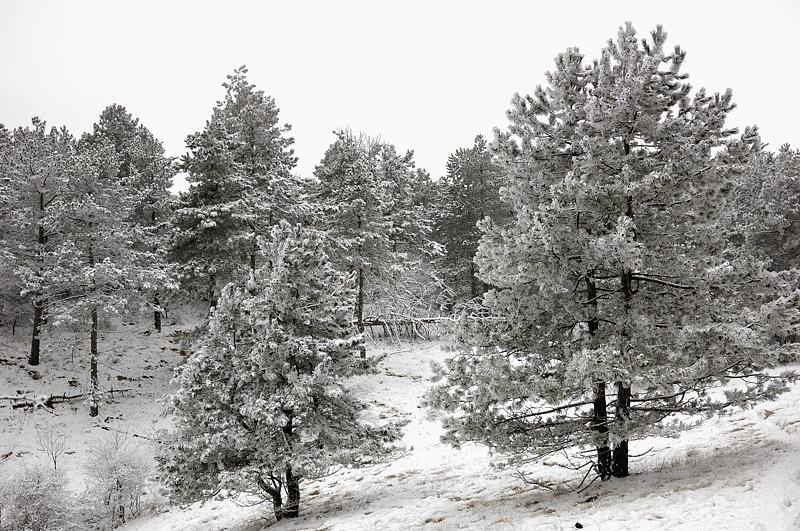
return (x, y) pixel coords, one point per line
(735, 473)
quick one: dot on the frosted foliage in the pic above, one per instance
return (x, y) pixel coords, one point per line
(619, 271)
(239, 168)
(261, 403)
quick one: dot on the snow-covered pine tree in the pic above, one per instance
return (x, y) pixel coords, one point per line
(261, 405)
(405, 286)
(618, 287)
(469, 192)
(146, 172)
(353, 203)
(98, 265)
(768, 198)
(372, 203)
(239, 170)
(36, 165)
(12, 304)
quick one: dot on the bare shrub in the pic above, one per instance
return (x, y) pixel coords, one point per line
(51, 444)
(35, 499)
(117, 473)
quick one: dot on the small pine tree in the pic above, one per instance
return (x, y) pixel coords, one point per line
(621, 300)
(261, 405)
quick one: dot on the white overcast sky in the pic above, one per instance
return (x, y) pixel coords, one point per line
(424, 75)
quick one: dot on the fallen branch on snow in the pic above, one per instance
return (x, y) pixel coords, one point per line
(47, 401)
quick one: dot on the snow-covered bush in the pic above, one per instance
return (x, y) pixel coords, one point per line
(35, 499)
(261, 405)
(117, 473)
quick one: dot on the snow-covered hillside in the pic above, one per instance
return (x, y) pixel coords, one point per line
(739, 472)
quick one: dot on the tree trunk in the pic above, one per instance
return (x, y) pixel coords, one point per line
(253, 257)
(600, 413)
(38, 309)
(93, 398)
(293, 494)
(600, 425)
(38, 304)
(360, 308)
(157, 314)
(623, 409)
(623, 415)
(473, 282)
(212, 292)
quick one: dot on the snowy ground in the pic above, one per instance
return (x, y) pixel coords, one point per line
(739, 472)
(131, 358)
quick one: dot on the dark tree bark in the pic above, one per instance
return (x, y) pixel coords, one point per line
(623, 409)
(36, 331)
(253, 257)
(473, 281)
(212, 292)
(360, 308)
(292, 493)
(622, 414)
(93, 409)
(600, 407)
(157, 314)
(274, 492)
(38, 304)
(600, 411)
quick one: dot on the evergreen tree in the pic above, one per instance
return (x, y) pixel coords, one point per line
(36, 165)
(469, 192)
(372, 203)
(240, 184)
(618, 286)
(12, 304)
(767, 196)
(261, 405)
(146, 172)
(98, 266)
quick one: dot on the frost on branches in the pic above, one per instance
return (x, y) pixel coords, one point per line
(239, 168)
(261, 405)
(374, 204)
(624, 308)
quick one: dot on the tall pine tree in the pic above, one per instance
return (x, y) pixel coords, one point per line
(145, 171)
(37, 163)
(372, 202)
(99, 266)
(621, 301)
(468, 193)
(239, 171)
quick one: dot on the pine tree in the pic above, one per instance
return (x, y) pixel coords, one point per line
(469, 192)
(768, 195)
(372, 203)
(36, 166)
(98, 266)
(145, 171)
(618, 286)
(239, 170)
(261, 405)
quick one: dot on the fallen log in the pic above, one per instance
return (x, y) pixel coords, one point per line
(47, 401)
